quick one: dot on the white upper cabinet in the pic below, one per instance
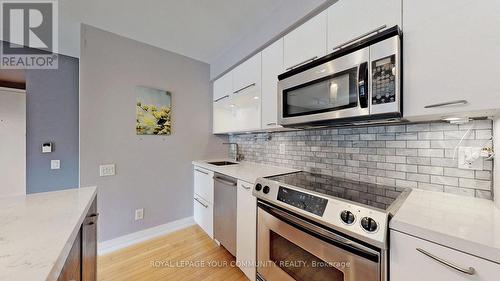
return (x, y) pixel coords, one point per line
(272, 66)
(246, 95)
(450, 54)
(223, 111)
(237, 98)
(348, 19)
(247, 76)
(306, 43)
(223, 86)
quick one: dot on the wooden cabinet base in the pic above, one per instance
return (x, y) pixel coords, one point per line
(81, 262)
(72, 269)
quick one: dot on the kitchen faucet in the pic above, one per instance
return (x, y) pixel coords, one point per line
(238, 157)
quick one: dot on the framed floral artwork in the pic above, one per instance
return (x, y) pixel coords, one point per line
(153, 111)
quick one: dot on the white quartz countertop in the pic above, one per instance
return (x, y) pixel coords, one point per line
(470, 225)
(245, 171)
(38, 230)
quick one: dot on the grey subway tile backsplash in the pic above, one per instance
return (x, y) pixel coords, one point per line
(422, 155)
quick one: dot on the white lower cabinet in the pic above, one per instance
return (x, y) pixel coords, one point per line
(204, 183)
(204, 214)
(246, 228)
(203, 199)
(414, 259)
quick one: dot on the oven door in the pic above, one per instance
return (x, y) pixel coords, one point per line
(334, 90)
(291, 248)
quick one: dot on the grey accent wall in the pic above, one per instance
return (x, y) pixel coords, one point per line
(412, 155)
(52, 115)
(152, 172)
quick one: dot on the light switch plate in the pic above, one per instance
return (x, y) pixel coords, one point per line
(55, 164)
(139, 214)
(107, 170)
(464, 153)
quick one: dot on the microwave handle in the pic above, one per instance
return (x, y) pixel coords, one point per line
(363, 85)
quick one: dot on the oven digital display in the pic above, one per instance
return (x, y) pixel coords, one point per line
(304, 201)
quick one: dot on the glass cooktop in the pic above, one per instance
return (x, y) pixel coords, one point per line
(374, 195)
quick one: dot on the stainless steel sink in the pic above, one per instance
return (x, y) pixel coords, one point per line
(222, 163)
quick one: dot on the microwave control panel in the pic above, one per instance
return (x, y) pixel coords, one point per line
(384, 80)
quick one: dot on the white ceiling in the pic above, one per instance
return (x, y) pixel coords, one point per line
(200, 29)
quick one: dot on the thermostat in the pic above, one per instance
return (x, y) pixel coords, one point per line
(47, 147)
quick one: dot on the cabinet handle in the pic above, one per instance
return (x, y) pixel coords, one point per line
(376, 30)
(200, 171)
(94, 215)
(244, 88)
(90, 223)
(456, 102)
(221, 98)
(468, 271)
(271, 124)
(301, 63)
(246, 187)
(201, 203)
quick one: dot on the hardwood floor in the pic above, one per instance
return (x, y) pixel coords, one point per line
(188, 254)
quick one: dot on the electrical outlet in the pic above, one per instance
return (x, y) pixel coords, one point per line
(469, 158)
(282, 148)
(139, 214)
(55, 164)
(107, 170)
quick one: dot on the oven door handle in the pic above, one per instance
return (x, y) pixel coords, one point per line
(298, 222)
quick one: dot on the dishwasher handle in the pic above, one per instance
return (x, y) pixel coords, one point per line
(224, 181)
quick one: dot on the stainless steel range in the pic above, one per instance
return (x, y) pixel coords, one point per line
(317, 227)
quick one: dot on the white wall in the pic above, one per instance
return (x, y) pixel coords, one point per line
(152, 172)
(265, 34)
(496, 164)
(12, 142)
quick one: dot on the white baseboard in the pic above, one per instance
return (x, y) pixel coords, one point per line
(118, 243)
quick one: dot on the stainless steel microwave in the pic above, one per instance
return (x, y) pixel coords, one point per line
(360, 83)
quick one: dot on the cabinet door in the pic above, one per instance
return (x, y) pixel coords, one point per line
(449, 55)
(246, 111)
(246, 98)
(204, 184)
(408, 264)
(72, 267)
(89, 244)
(223, 112)
(247, 75)
(348, 19)
(204, 215)
(272, 66)
(246, 227)
(306, 43)
(223, 86)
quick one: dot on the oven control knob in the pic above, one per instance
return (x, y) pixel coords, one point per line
(266, 189)
(347, 217)
(369, 224)
(258, 187)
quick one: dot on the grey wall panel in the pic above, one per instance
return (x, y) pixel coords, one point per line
(152, 172)
(52, 115)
